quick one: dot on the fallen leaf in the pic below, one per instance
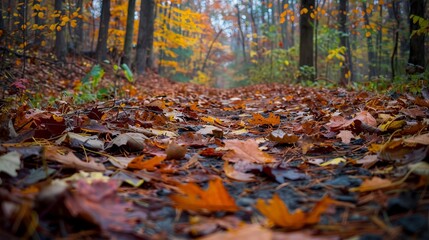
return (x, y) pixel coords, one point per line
(346, 136)
(368, 161)
(334, 161)
(150, 165)
(245, 151)
(131, 141)
(77, 141)
(214, 198)
(258, 119)
(391, 125)
(67, 158)
(278, 213)
(100, 204)
(248, 232)
(281, 137)
(420, 139)
(208, 129)
(10, 163)
(372, 184)
(232, 173)
(281, 175)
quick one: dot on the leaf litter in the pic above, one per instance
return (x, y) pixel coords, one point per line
(186, 161)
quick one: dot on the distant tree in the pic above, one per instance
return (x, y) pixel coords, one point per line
(60, 39)
(128, 42)
(2, 28)
(344, 39)
(370, 45)
(145, 36)
(417, 41)
(101, 51)
(306, 57)
(79, 44)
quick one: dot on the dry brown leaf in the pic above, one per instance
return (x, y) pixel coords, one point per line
(245, 151)
(278, 213)
(232, 173)
(214, 198)
(67, 157)
(280, 136)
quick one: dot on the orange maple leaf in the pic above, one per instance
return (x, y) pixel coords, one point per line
(214, 198)
(139, 163)
(278, 213)
(245, 151)
(258, 119)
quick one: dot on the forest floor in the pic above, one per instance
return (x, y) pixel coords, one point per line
(179, 161)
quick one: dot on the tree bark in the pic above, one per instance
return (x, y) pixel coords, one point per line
(128, 42)
(306, 35)
(243, 46)
(145, 36)
(343, 9)
(79, 43)
(371, 52)
(60, 39)
(101, 51)
(417, 42)
(38, 35)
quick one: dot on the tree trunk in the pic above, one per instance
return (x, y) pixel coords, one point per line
(417, 42)
(101, 51)
(60, 39)
(371, 53)
(254, 29)
(306, 34)
(128, 42)
(145, 35)
(243, 47)
(79, 43)
(345, 71)
(2, 27)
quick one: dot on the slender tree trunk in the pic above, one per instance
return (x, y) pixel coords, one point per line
(128, 42)
(2, 26)
(254, 28)
(60, 39)
(145, 35)
(210, 50)
(101, 51)
(417, 42)
(371, 53)
(395, 9)
(243, 48)
(345, 71)
(79, 43)
(306, 42)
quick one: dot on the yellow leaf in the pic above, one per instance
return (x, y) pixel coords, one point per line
(41, 14)
(334, 161)
(368, 34)
(304, 11)
(58, 28)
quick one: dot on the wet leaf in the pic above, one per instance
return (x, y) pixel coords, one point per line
(334, 161)
(214, 198)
